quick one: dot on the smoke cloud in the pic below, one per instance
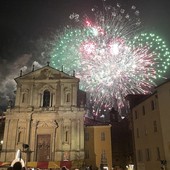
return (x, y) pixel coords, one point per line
(9, 71)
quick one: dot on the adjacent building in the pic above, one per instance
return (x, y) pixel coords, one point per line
(151, 127)
(121, 139)
(108, 139)
(98, 151)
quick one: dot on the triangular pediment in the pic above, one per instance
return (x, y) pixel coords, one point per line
(46, 72)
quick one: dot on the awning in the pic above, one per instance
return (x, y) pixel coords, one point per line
(46, 165)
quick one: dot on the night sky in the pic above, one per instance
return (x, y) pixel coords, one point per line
(24, 22)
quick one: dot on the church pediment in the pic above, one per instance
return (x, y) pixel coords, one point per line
(44, 73)
(47, 124)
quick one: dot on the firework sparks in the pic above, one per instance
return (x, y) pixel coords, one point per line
(111, 57)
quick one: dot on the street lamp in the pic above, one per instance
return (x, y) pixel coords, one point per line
(26, 150)
(1, 145)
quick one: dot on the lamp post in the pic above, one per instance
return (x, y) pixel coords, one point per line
(103, 165)
(26, 150)
(1, 143)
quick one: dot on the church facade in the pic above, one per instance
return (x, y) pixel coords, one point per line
(47, 118)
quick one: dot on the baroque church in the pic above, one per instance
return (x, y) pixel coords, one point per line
(47, 118)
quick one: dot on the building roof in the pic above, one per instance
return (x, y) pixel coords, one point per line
(135, 99)
(92, 122)
(166, 81)
(46, 72)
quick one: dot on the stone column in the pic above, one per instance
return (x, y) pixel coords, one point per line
(73, 134)
(51, 99)
(59, 140)
(41, 100)
(28, 127)
(70, 122)
(54, 101)
(81, 134)
(74, 95)
(33, 139)
(62, 94)
(60, 134)
(54, 140)
(78, 134)
(31, 95)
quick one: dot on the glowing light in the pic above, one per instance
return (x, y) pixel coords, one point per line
(114, 49)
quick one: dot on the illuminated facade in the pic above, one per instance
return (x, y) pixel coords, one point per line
(48, 116)
(98, 151)
(151, 127)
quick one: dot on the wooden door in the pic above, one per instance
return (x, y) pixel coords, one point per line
(43, 147)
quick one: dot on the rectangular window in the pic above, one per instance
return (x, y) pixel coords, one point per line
(152, 105)
(136, 115)
(155, 129)
(158, 153)
(146, 132)
(102, 136)
(139, 154)
(137, 133)
(23, 97)
(143, 110)
(66, 135)
(148, 154)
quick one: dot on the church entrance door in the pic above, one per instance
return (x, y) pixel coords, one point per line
(43, 147)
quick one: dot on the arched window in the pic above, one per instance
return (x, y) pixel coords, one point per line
(24, 98)
(66, 137)
(68, 97)
(46, 98)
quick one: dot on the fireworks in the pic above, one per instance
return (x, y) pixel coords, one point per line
(158, 49)
(111, 57)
